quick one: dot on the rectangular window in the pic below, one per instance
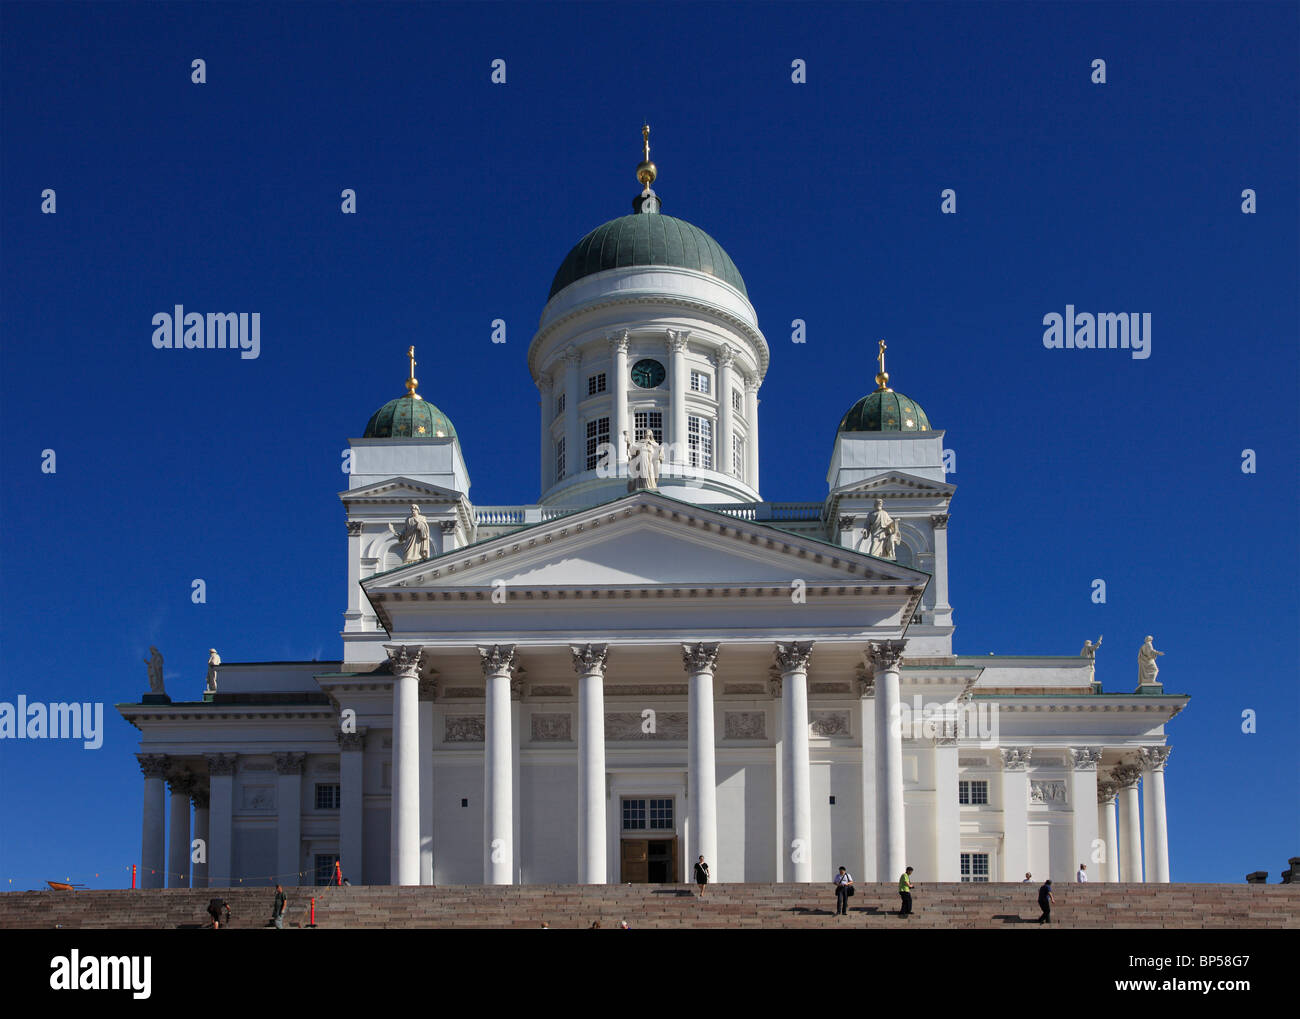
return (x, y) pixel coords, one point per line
(328, 797)
(700, 382)
(737, 400)
(972, 793)
(699, 440)
(597, 435)
(633, 815)
(559, 460)
(652, 419)
(559, 405)
(975, 868)
(738, 456)
(323, 864)
(595, 383)
(661, 815)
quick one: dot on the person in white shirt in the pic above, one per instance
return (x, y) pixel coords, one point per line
(1082, 876)
(843, 889)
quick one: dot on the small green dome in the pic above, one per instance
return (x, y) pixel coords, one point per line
(885, 411)
(409, 417)
(646, 239)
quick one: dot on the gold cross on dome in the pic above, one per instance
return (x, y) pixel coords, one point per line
(879, 357)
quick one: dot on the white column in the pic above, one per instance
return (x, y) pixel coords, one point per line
(288, 768)
(1108, 832)
(1157, 830)
(589, 663)
(547, 404)
(516, 763)
(947, 810)
(1126, 777)
(153, 848)
(618, 347)
(498, 796)
(726, 427)
(221, 797)
(356, 597)
(702, 774)
(1083, 800)
(796, 776)
(867, 705)
(574, 449)
(751, 436)
(199, 869)
(783, 866)
(1015, 812)
(351, 804)
(427, 691)
(178, 831)
(884, 658)
(404, 849)
(939, 521)
(679, 382)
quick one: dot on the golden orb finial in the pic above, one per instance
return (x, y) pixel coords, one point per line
(646, 171)
(412, 382)
(882, 376)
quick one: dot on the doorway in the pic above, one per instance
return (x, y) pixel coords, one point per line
(649, 861)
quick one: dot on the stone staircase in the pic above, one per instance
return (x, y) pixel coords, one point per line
(735, 906)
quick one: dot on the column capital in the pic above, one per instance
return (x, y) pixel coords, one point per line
(572, 356)
(222, 764)
(751, 385)
(589, 659)
(180, 783)
(939, 521)
(884, 655)
(354, 528)
(794, 657)
(726, 355)
(290, 763)
(352, 741)
(1154, 758)
(447, 527)
(544, 381)
(1015, 758)
(199, 797)
(676, 341)
(866, 682)
(404, 659)
(496, 658)
(618, 341)
(1085, 758)
(1106, 791)
(1125, 776)
(699, 657)
(845, 522)
(154, 765)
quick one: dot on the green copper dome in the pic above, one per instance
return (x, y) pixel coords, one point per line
(885, 411)
(646, 239)
(409, 417)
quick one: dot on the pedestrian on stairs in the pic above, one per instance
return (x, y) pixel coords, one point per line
(1045, 901)
(701, 874)
(843, 889)
(219, 910)
(277, 910)
(905, 893)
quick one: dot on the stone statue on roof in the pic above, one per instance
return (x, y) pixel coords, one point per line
(881, 534)
(214, 660)
(643, 460)
(155, 665)
(414, 536)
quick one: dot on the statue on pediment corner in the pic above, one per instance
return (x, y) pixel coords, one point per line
(881, 533)
(414, 536)
(643, 460)
(154, 663)
(214, 660)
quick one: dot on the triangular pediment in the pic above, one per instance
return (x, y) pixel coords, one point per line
(647, 540)
(898, 485)
(399, 490)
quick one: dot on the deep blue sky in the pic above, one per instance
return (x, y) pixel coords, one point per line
(1071, 465)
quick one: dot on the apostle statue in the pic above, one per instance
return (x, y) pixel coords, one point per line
(1147, 668)
(881, 534)
(414, 537)
(214, 660)
(155, 665)
(643, 460)
(1090, 652)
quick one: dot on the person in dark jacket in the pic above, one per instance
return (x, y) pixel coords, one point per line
(219, 910)
(843, 889)
(1045, 901)
(277, 910)
(701, 874)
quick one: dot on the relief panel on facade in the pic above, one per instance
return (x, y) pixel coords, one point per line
(1051, 793)
(829, 723)
(258, 797)
(745, 724)
(636, 725)
(463, 729)
(552, 728)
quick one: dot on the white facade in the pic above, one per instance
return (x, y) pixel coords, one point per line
(604, 685)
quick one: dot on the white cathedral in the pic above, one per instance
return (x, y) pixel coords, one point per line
(653, 662)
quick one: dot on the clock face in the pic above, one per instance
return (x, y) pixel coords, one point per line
(647, 373)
